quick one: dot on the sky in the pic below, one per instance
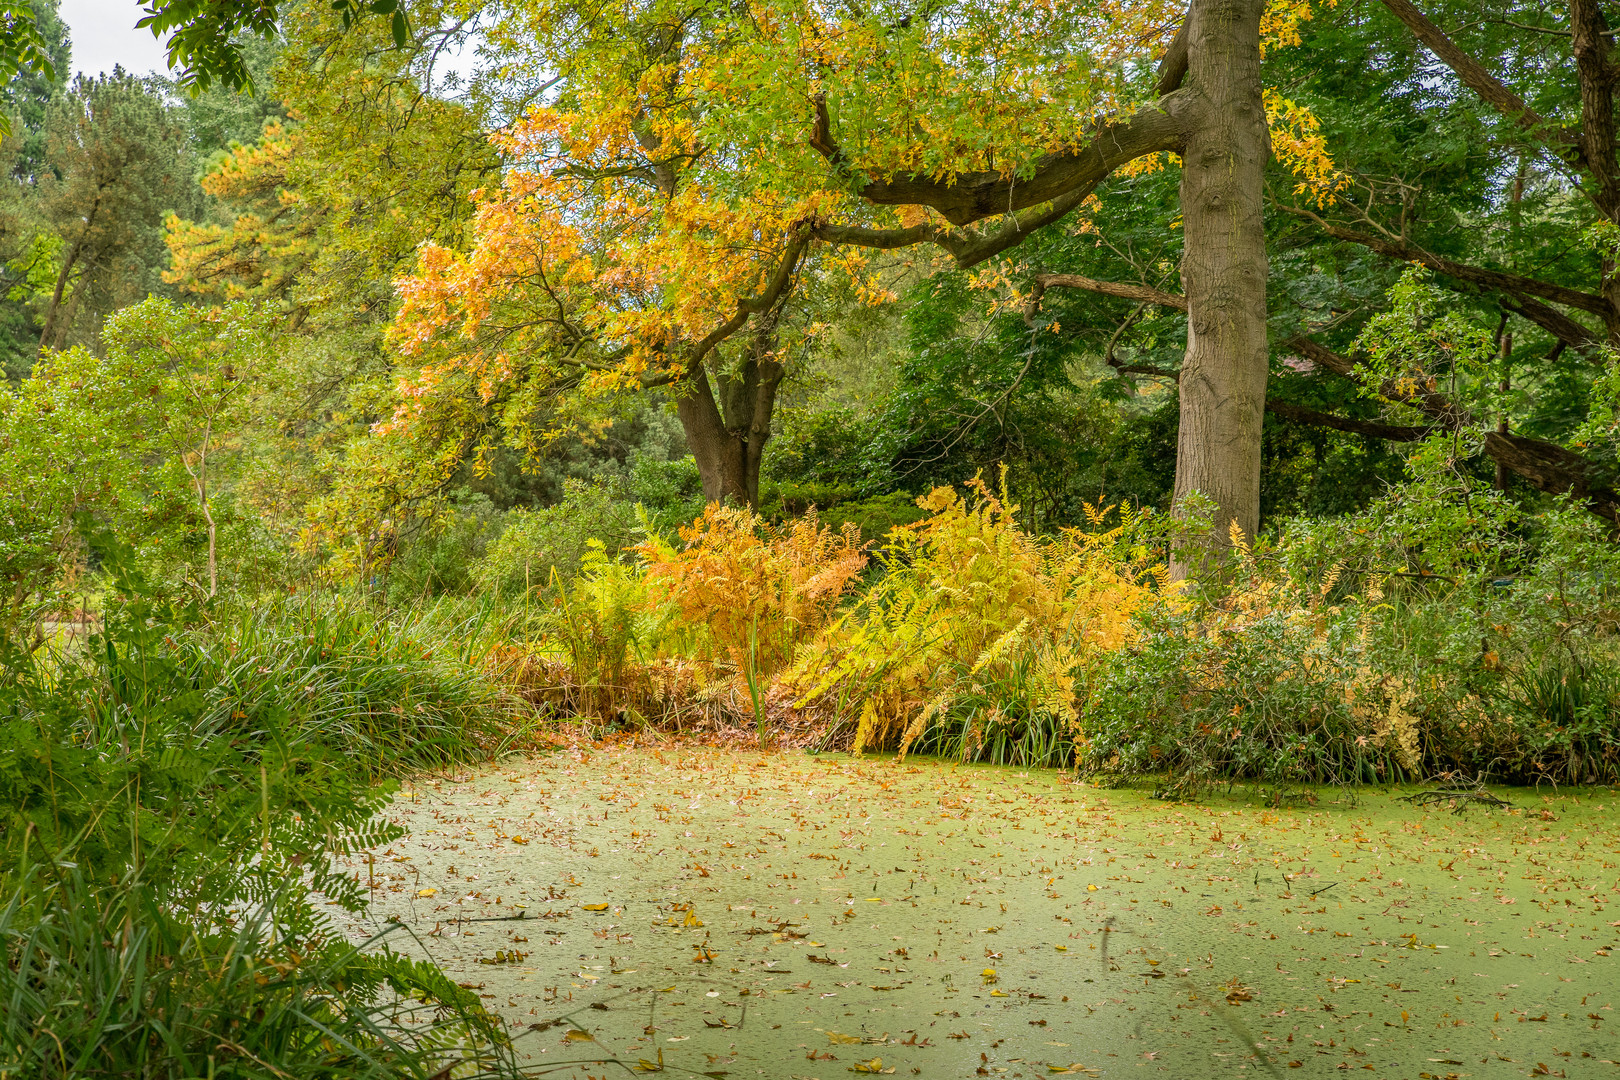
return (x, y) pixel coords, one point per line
(104, 35)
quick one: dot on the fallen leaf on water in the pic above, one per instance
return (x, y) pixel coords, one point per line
(520, 840)
(576, 1035)
(873, 1066)
(651, 1066)
(427, 892)
(593, 907)
(833, 1036)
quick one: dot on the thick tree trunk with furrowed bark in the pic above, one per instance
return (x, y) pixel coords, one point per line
(1223, 270)
(727, 433)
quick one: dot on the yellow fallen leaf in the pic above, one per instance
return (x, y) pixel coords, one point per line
(692, 920)
(834, 1036)
(594, 907)
(1091, 888)
(988, 973)
(873, 1066)
(427, 892)
(998, 993)
(519, 840)
(1061, 948)
(576, 1035)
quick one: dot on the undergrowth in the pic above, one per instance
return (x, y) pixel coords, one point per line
(172, 797)
(972, 642)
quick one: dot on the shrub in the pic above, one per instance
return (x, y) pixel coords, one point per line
(393, 691)
(164, 842)
(539, 543)
(109, 981)
(671, 491)
(1271, 683)
(877, 517)
(439, 557)
(971, 642)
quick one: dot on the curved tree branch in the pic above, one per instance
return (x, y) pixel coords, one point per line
(1374, 428)
(963, 198)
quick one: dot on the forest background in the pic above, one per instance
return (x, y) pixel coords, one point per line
(481, 374)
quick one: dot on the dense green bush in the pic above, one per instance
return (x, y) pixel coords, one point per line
(1284, 697)
(536, 544)
(671, 491)
(439, 557)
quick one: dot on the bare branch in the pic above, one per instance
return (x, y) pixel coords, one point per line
(1374, 428)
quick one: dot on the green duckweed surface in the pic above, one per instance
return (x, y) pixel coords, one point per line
(741, 914)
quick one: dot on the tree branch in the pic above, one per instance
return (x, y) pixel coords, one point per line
(1555, 322)
(1490, 89)
(1477, 275)
(1173, 65)
(963, 198)
(1374, 428)
(752, 305)
(1547, 466)
(1141, 293)
(1596, 79)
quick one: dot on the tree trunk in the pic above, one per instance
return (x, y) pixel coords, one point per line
(50, 334)
(1223, 270)
(728, 436)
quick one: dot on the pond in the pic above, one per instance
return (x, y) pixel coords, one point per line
(727, 913)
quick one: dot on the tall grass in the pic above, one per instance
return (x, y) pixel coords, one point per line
(394, 691)
(172, 800)
(106, 981)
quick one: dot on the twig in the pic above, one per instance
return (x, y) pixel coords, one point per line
(1461, 793)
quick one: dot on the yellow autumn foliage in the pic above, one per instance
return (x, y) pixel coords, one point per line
(978, 627)
(755, 591)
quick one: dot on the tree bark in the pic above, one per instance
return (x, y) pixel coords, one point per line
(1223, 270)
(727, 435)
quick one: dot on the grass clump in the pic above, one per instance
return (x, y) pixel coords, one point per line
(393, 691)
